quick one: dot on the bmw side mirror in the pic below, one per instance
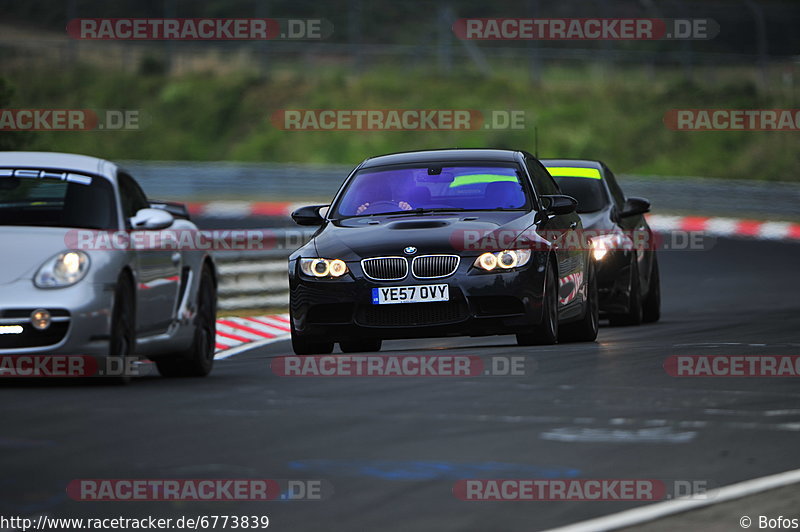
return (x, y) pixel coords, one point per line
(559, 204)
(308, 215)
(634, 206)
(151, 219)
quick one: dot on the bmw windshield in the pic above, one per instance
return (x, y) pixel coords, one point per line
(394, 190)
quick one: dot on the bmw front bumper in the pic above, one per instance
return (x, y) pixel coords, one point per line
(480, 303)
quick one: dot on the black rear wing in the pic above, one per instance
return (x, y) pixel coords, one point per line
(175, 208)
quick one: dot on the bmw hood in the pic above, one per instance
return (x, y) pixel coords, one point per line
(361, 237)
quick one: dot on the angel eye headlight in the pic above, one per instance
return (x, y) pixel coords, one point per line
(65, 269)
(507, 259)
(320, 268)
(487, 261)
(504, 260)
(337, 268)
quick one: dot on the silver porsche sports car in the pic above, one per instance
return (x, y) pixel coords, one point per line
(85, 269)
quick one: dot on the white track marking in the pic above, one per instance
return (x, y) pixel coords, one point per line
(651, 512)
(594, 435)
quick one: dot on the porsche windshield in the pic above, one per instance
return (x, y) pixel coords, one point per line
(79, 201)
(395, 190)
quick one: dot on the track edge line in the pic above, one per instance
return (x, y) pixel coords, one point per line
(651, 512)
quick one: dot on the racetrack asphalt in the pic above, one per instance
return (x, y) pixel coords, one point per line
(392, 448)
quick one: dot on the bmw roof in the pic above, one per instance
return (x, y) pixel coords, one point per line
(445, 155)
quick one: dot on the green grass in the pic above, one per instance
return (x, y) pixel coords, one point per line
(227, 117)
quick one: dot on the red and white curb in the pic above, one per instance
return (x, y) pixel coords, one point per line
(728, 227)
(235, 333)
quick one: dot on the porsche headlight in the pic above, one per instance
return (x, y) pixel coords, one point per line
(323, 267)
(503, 260)
(65, 269)
(602, 244)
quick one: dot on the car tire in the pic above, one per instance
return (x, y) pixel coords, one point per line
(360, 346)
(634, 314)
(546, 332)
(584, 330)
(651, 308)
(122, 337)
(198, 360)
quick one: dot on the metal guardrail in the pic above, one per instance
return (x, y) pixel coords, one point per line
(255, 181)
(258, 279)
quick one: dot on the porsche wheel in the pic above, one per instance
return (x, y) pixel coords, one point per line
(198, 360)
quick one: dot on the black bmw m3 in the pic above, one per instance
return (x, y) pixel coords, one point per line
(623, 246)
(459, 242)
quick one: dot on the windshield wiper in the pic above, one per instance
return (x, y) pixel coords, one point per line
(416, 211)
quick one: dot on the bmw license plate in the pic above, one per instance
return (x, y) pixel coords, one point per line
(426, 293)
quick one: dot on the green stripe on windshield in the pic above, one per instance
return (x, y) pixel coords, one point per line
(565, 171)
(475, 179)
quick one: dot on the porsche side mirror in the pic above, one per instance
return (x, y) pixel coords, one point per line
(151, 219)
